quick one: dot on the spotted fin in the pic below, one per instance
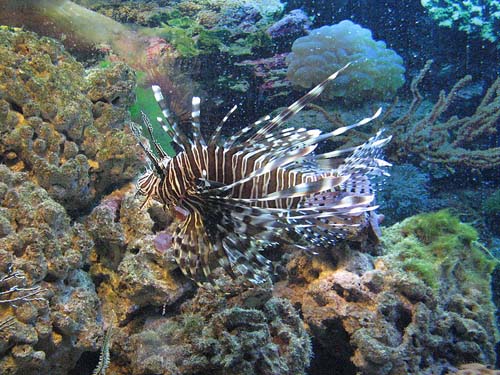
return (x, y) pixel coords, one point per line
(192, 248)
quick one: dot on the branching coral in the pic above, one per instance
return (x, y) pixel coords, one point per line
(475, 17)
(455, 142)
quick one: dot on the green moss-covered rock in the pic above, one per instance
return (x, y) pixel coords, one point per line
(491, 209)
(435, 246)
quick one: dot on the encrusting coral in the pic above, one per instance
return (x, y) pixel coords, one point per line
(65, 128)
(253, 334)
(132, 263)
(475, 17)
(381, 315)
(46, 334)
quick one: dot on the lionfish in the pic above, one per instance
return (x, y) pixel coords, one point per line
(233, 195)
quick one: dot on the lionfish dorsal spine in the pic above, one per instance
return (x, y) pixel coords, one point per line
(195, 123)
(247, 129)
(216, 134)
(149, 127)
(295, 107)
(145, 146)
(177, 135)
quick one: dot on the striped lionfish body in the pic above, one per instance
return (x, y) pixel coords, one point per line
(234, 195)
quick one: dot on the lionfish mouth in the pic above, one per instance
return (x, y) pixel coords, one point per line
(237, 193)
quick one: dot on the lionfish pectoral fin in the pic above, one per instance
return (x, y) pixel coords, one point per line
(240, 230)
(308, 188)
(246, 261)
(192, 249)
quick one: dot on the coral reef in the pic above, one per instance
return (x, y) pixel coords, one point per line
(47, 332)
(456, 143)
(423, 306)
(292, 26)
(255, 334)
(369, 315)
(475, 17)
(129, 260)
(158, 329)
(491, 209)
(141, 13)
(376, 71)
(474, 369)
(270, 74)
(65, 128)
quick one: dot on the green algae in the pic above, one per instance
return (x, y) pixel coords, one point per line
(440, 226)
(146, 102)
(436, 247)
(491, 205)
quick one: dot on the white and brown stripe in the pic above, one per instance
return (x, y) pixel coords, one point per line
(237, 194)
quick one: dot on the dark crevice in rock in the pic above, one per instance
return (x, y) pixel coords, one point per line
(15, 107)
(160, 218)
(332, 350)
(86, 364)
(403, 319)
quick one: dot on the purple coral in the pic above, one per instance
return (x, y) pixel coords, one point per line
(293, 25)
